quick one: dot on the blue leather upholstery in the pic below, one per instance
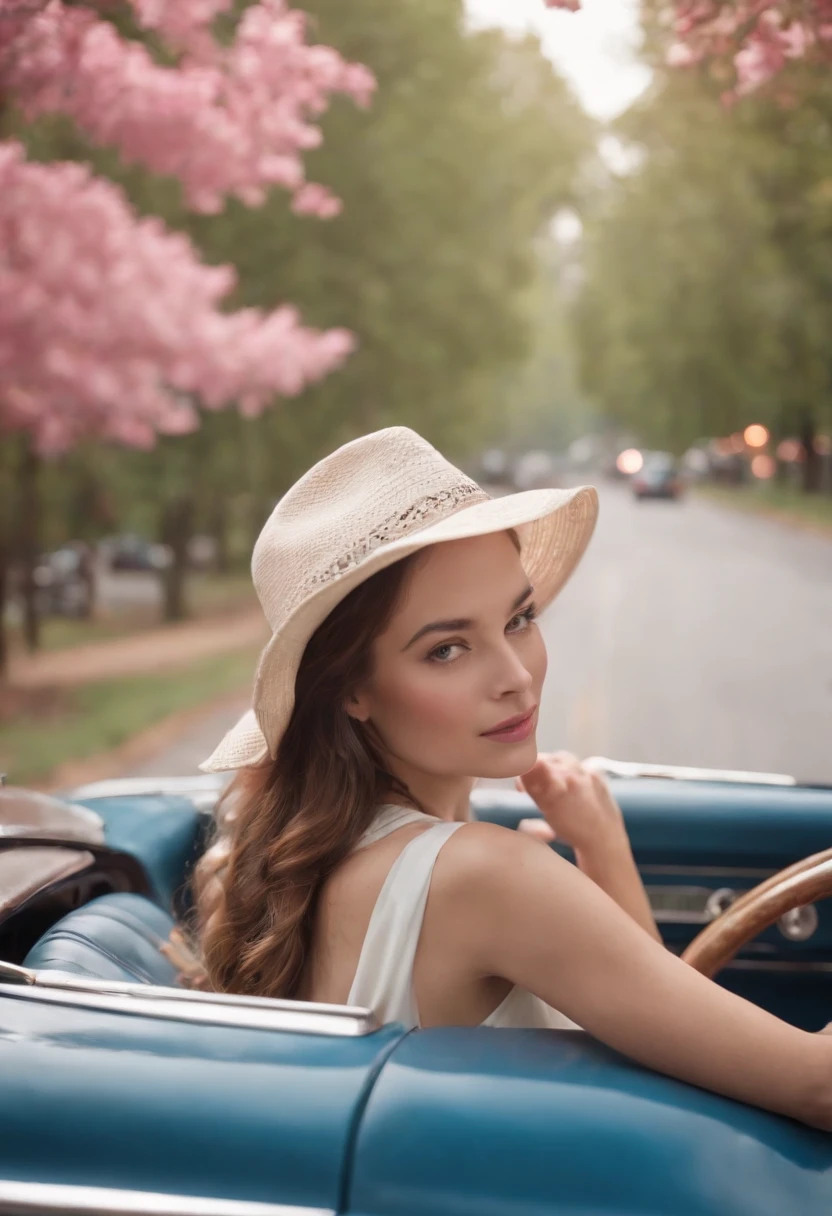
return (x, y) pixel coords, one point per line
(115, 937)
(164, 833)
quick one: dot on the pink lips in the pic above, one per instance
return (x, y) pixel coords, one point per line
(513, 730)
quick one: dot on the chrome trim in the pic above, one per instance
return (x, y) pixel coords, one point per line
(45, 1198)
(203, 790)
(749, 964)
(661, 900)
(706, 871)
(10, 973)
(675, 772)
(197, 1008)
(799, 924)
(719, 901)
(696, 905)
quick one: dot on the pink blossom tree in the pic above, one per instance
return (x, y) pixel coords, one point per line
(758, 37)
(110, 326)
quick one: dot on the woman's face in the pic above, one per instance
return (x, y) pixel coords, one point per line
(461, 658)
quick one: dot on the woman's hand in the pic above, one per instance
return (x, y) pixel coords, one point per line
(577, 805)
(579, 809)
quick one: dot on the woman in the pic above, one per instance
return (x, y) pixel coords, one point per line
(405, 662)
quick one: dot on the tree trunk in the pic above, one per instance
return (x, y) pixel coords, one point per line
(5, 553)
(4, 599)
(778, 434)
(177, 529)
(28, 528)
(219, 529)
(89, 575)
(811, 462)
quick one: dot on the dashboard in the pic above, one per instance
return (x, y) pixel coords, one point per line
(699, 845)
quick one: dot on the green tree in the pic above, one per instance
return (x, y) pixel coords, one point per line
(706, 303)
(471, 145)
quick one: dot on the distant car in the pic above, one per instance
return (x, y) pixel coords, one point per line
(128, 552)
(64, 581)
(659, 477)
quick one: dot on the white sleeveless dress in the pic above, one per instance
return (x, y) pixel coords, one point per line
(384, 977)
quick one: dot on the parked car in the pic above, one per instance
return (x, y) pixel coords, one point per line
(123, 1092)
(64, 581)
(134, 553)
(659, 477)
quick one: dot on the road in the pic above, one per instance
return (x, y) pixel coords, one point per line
(690, 635)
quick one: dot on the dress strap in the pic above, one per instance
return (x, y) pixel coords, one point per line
(384, 977)
(389, 819)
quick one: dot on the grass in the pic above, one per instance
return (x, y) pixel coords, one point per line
(778, 502)
(42, 732)
(208, 595)
(62, 633)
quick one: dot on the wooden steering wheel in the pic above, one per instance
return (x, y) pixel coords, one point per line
(794, 887)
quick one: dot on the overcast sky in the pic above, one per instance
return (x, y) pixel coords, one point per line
(594, 48)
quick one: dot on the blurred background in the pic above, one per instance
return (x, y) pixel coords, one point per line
(561, 260)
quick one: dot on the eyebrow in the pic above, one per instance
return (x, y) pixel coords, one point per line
(462, 623)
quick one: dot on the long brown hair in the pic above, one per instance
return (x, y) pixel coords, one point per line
(284, 825)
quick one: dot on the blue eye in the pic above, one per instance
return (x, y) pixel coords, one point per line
(441, 655)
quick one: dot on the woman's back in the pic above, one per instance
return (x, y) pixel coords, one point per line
(389, 936)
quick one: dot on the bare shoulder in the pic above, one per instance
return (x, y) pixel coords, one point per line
(491, 889)
(483, 858)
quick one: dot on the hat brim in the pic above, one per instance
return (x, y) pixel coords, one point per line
(555, 527)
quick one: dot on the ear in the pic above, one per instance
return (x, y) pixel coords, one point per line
(357, 707)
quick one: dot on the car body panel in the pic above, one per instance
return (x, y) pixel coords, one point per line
(487, 1122)
(92, 1098)
(108, 1091)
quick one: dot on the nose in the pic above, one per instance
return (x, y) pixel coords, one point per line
(510, 674)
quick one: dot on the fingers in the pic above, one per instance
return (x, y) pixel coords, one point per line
(561, 768)
(566, 759)
(544, 780)
(538, 828)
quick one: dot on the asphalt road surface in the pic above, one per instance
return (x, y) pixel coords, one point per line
(690, 635)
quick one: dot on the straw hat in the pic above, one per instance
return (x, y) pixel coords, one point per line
(371, 503)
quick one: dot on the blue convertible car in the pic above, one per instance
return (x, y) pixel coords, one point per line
(122, 1092)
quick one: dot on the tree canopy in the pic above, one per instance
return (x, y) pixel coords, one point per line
(706, 304)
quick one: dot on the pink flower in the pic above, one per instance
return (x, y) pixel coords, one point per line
(225, 120)
(758, 36)
(109, 324)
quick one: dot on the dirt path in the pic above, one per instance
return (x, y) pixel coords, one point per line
(162, 649)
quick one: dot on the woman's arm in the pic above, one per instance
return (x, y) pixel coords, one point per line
(610, 864)
(578, 808)
(533, 919)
